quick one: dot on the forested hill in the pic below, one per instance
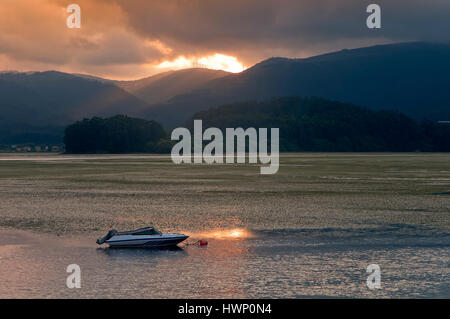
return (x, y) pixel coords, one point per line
(306, 124)
(315, 124)
(117, 134)
(412, 78)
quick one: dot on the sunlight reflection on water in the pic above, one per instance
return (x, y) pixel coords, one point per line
(234, 233)
(270, 264)
(310, 230)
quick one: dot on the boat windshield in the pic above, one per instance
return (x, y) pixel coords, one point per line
(146, 231)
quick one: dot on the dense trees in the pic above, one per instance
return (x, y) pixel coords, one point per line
(117, 134)
(315, 124)
(306, 124)
(436, 136)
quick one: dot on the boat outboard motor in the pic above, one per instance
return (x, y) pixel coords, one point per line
(111, 233)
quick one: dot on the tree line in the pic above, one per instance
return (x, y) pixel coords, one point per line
(306, 124)
(117, 134)
(316, 124)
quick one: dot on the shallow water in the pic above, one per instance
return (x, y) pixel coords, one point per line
(309, 231)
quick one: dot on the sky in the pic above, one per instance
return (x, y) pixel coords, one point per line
(131, 39)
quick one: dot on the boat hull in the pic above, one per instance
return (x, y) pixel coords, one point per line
(145, 242)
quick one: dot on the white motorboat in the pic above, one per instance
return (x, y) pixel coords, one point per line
(146, 237)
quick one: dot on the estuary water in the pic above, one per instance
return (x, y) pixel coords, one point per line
(309, 231)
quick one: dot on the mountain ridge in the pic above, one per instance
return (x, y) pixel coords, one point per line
(163, 86)
(407, 77)
(411, 78)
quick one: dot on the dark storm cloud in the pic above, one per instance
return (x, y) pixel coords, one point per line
(128, 38)
(199, 25)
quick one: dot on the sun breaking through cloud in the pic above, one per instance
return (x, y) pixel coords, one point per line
(216, 62)
(131, 39)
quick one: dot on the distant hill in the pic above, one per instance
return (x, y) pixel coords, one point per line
(163, 86)
(408, 77)
(315, 124)
(36, 106)
(55, 98)
(411, 78)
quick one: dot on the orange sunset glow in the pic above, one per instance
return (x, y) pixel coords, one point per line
(132, 39)
(111, 43)
(216, 62)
